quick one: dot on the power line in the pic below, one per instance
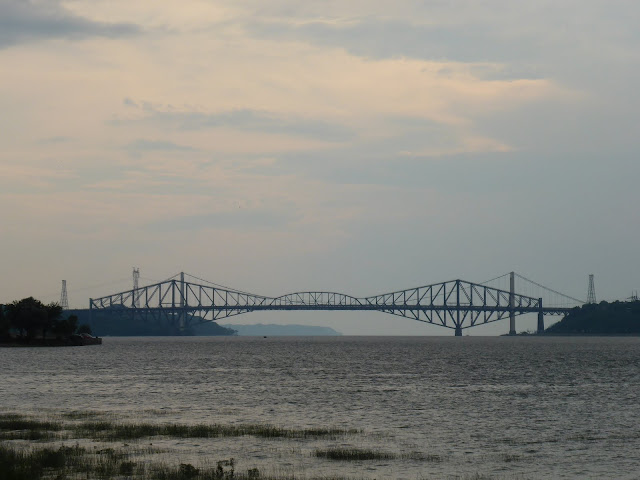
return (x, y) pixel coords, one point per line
(101, 285)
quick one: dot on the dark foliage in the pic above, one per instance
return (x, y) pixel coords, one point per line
(65, 327)
(123, 323)
(84, 328)
(604, 318)
(30, 317)
(4, 324)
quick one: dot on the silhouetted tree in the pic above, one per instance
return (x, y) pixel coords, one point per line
(30, 315)
(5, 326)
(54, 311)
(84, 328)
(66, 326)
(26, 315)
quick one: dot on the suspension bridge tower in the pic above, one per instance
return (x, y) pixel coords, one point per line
(64, 300)
(512, 294)
(591, 296)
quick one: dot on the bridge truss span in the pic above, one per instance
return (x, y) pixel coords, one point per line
(315, 301)
(455, 304)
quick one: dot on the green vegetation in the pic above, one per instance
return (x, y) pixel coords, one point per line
(356, 454)
(130, 431)
(353, 454)
(22, 320)
(604, 318)
(71, 461)
(16, 426)
(107, 449)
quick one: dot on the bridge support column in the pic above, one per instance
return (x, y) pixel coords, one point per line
(458, 331)
(540, 317)
(512, 297)
(181, 319)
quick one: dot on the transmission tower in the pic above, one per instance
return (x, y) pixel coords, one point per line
(591, 296)
(136, 277)
(64, 301)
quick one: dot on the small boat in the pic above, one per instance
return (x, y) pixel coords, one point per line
(85, 339)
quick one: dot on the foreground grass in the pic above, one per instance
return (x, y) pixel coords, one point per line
(77, 462)
(52, 460)
(111, 431)
(14, 427)
(358, 454)
(72, 462)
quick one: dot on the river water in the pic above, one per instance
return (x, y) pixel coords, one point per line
(504, 407)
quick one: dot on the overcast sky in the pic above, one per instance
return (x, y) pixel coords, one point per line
(358, 147)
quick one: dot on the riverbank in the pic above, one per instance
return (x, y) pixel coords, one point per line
(92, 445)
(72, 341)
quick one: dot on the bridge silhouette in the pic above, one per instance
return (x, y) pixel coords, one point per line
(185, 300)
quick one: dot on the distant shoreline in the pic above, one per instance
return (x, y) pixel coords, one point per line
(587, 335)
(47, 342)
(35, 344)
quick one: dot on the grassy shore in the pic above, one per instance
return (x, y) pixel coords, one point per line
(47, 453)
(15, 427)
(91, 445)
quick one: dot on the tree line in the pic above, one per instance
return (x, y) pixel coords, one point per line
(28, 318)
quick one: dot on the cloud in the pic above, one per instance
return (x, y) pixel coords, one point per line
(240, 219)
(384, 38)
(53, 140)
(531, 40)
(142, 145)
(243, 119)
(23, 21)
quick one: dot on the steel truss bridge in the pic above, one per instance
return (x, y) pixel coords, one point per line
(455, 304)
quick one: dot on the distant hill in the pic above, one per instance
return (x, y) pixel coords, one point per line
(604, 318)
(282, 330)
(112, 323)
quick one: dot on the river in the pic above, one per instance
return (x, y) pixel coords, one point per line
(504, 407)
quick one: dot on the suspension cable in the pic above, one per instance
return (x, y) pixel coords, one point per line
(549, 289)
(494, 279)
(114, 282)
(222, 286)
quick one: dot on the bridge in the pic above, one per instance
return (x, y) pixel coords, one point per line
(185, 300)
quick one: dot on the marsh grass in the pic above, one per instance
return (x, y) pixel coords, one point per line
(32, 435)
(18, 427)
(359, 454)
(14, 426)
(353, 454)
(112, 431)
(33, 464)
(78, 462)
(136, 460)
(16, 422)
(81, 414)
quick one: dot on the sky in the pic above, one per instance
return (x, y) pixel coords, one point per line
(360, 147)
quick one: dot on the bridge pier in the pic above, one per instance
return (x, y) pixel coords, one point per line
(458, 331)
(512, 295)
(540, 317)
